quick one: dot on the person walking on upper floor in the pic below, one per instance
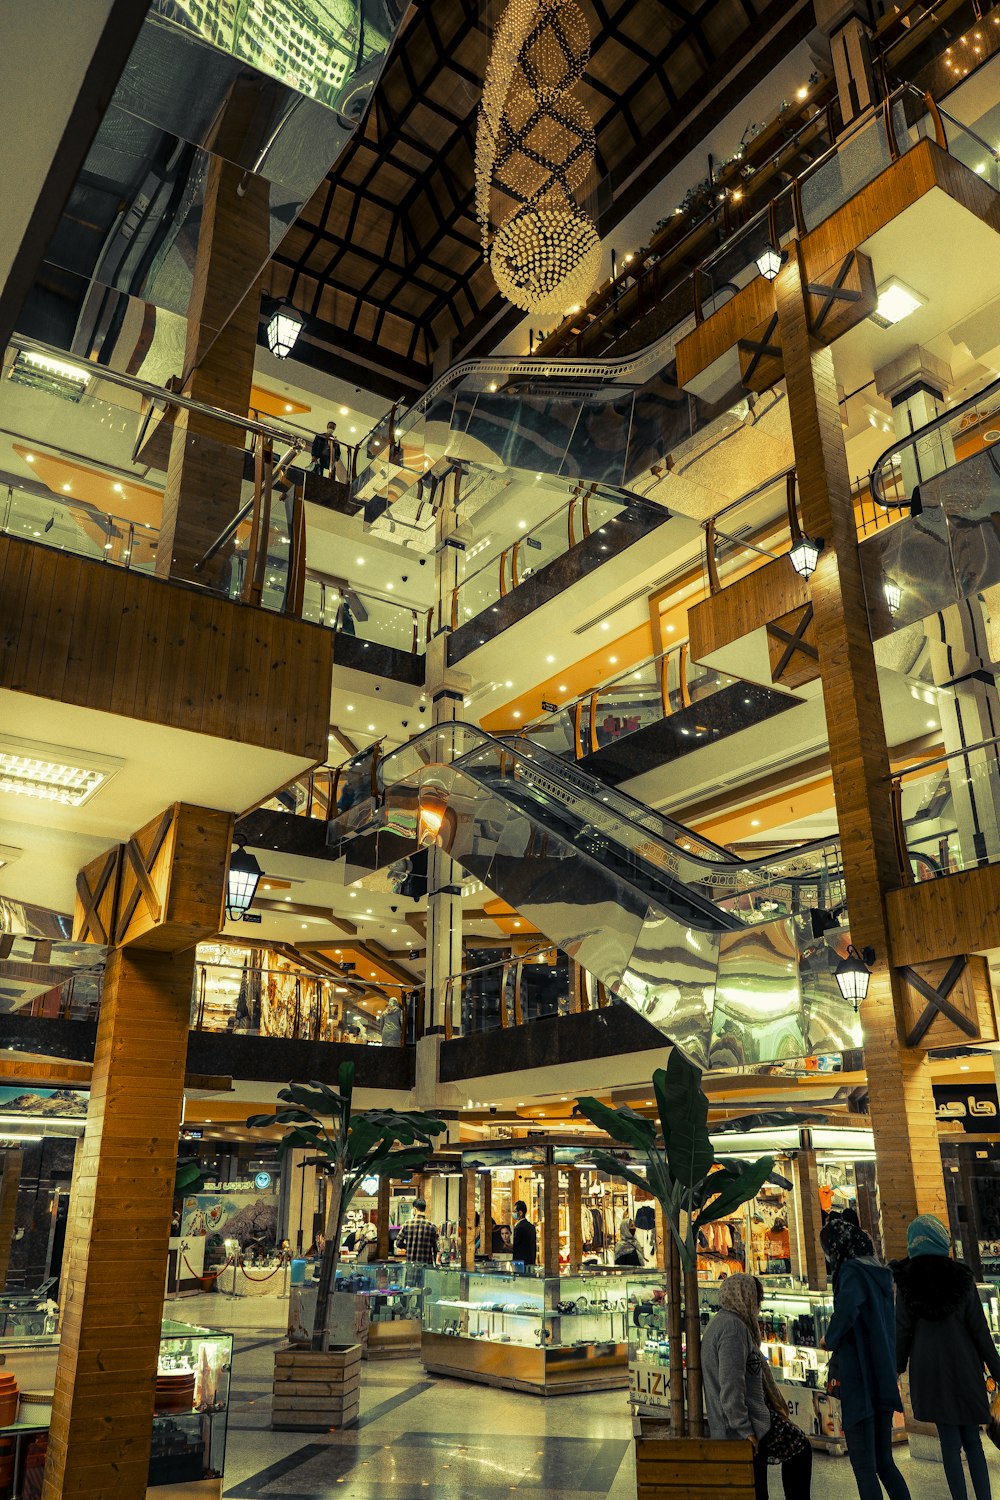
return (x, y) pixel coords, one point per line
(741, 1397)
(943, 1336)
(862, 1338)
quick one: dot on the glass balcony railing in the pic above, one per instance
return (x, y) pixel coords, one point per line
(511, 991)
(644, 695)
(356, 612)
(87, 458)
(584, 516)
(859, 155)
(247, 1000)
(947, 813)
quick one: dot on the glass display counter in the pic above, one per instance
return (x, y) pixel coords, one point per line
(395, 1292)
(545, 1334)
(190, 1415)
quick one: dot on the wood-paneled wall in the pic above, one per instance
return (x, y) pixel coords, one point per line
(744, 606)
(87, 632)
(959, 913)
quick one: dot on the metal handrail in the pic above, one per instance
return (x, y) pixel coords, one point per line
(910, 440)
(153, 392)
(925, 765)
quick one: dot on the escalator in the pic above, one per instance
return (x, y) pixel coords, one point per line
(716, 953)
(943, 481)
(620, 423)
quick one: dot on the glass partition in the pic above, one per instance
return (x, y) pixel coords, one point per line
(948, 813)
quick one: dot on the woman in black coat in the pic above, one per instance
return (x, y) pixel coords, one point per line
(942, 1334)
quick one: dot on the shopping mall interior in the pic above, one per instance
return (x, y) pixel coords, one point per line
(476, 698)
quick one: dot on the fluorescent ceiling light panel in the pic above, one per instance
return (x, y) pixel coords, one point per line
(896, 301)
(53, 773)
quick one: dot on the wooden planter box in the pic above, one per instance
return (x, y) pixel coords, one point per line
(316, 1390)
(693, 1469)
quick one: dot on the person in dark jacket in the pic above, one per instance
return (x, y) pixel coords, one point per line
(325, 451)
(525, 1246)
(942, 1334)
(862, 1337)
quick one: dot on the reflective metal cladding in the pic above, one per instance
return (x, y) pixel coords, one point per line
(639, 901)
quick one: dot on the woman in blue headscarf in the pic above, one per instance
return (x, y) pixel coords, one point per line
(862, 1336)
(942, 1334)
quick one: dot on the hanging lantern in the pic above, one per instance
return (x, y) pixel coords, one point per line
(853, 973)
(283, 329)
(804, 555)
(770, 261)
(241, 884)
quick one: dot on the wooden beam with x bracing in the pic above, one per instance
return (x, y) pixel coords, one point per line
(937, 1001)
(835, 293)
(794, 641)
(142, 869)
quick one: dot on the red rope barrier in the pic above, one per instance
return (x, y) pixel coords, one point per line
(206, 1275)
(246, 1273)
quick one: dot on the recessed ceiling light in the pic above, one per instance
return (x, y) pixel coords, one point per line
(517, 713)
(932, 723)
(896, 301)
(67, 488)
(605, 625)
(118, 489)
(343, 411)
(360, 562)
(53, 773)
(963, 1067)
(353, 895)
(371, 729)
(394, 931)
(613, 660)
(29, 458)
(288, 406)
(550, 659)
(350, 708)
(522, 525)
(517, 924)
(754, 822)
(562, 687)
(304, 926)
(390, 586)
(802, 92)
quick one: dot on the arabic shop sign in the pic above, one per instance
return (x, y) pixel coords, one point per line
(975, 1109)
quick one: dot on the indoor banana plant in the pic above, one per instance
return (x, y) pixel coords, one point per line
(692, 1189)
(349, 1147)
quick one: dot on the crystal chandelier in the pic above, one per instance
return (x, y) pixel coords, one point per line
(534, 150)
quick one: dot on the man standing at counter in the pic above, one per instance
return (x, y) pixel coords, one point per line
(418, 1240)
(525, 1248)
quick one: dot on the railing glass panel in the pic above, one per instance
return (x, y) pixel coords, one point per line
(948, 813)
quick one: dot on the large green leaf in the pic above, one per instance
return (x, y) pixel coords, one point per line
(689, 1149)
(735, 1190)
(345, 1080)
(620, 1124)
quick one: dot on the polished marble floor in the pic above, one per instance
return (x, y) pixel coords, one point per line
(422, 1436)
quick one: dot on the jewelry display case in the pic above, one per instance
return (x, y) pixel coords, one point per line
(394, 1291)
(543, 1334)
(190, 1415)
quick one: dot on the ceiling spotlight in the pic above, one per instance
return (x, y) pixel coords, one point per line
(804, 555)
(853, 973)
(283, 329)
(770, 261)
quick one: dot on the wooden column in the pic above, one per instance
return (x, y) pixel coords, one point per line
(165, 894)
(808, 1217)
(548, 1232)
(10, 1182)
(902, 1106)
(467, 1216)
(485, 1213)
(574, 1204)
(382, 1219)
(205, 472)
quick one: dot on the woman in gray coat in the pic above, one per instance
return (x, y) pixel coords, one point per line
(942, 1334)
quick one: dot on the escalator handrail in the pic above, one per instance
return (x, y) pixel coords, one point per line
(579, 781)
(911, 439)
